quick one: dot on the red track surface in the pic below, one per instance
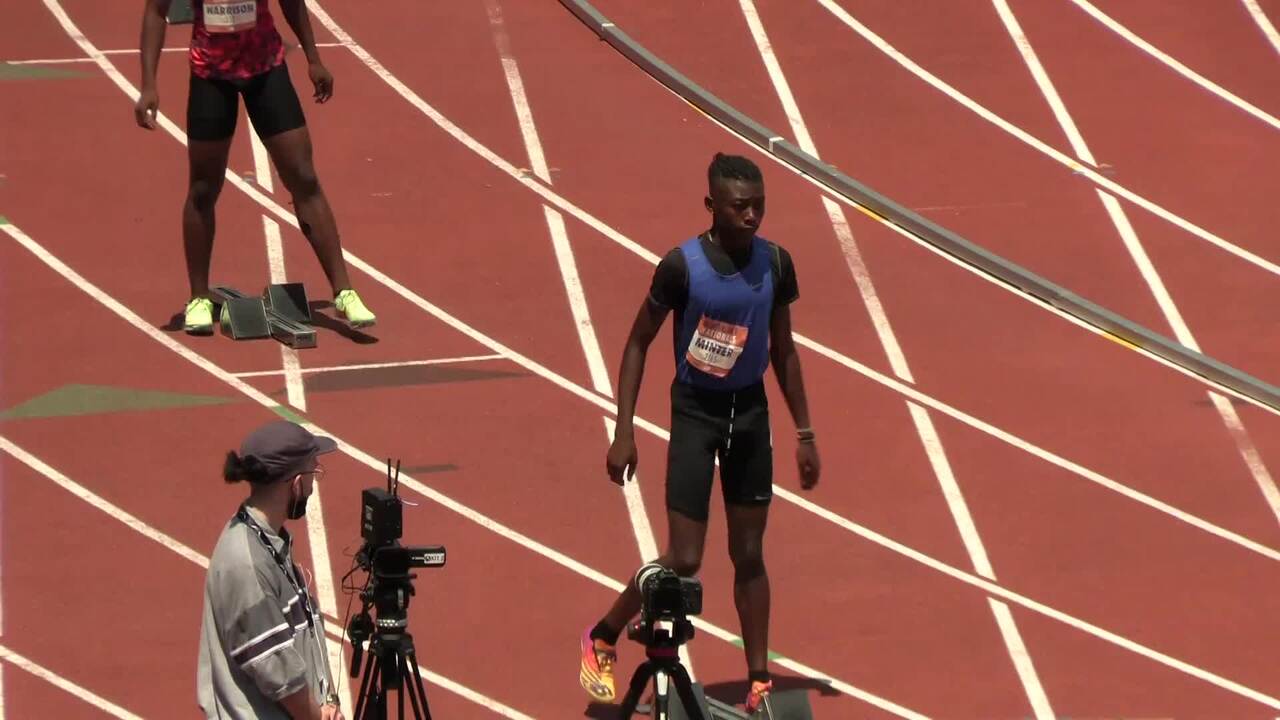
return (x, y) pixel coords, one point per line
(118, 613)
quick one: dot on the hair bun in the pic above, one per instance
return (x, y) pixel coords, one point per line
(233, 468)
(237, 469)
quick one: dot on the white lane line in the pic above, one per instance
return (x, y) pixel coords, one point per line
(1264, 23)
(261, 165)
(378, 466)
(839, 223)
(116, 513)
(1088, 171)
(546, 373)
(326, 593)
(121, 51)
(925, 430)
(151, 533)
(610, 233)
(572, 281)
(375, 366)
(1147, 269)
(4, 505)
(413, 297)
(1021, 600)
(1248, 450)
(289, 360)
(78, 691)
(613, 235)
(1118, 28)
(564, 205)
(295, 391)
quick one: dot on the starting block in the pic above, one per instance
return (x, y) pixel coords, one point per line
(779, 705)
(784, 705)
(288, 300)
(282, 312)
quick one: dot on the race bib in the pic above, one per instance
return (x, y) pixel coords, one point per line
(230, 16)
(716, 346)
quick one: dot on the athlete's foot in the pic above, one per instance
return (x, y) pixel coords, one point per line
(198, 317)
(349, 304)
(756, 697)
(596, 670)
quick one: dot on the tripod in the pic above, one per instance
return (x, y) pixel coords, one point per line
(663, 662)
(391, 658)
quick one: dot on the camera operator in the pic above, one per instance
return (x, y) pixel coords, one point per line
(262, 651)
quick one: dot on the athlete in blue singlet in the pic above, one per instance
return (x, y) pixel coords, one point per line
(730, 292)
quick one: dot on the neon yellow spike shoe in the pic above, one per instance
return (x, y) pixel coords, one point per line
(348, 303)
(198, 318)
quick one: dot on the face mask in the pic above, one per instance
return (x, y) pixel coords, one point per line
(297, 506)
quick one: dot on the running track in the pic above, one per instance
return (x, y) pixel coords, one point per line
(1023, 584)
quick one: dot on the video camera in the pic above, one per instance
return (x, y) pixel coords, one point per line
(667, 601)
(392, 657)
(382, 556)
(382, 525)
(387, 561)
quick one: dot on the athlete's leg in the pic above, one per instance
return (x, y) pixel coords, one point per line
(685, 540)
(212, 107)
(690, 471)
(277, 117)
(747, 481)
(750, 582)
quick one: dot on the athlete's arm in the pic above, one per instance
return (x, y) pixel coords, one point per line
(786, 365)
(623, 457)
(296, 14)
(149, 46)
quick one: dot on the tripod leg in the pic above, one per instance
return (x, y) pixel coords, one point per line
(684, 687)
(370, 671)
(400, 691)
(661, 695)
(632, 698)
(416, 689)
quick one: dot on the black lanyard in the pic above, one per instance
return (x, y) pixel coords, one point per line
(289, 572)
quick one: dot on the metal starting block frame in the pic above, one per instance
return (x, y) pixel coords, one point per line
(781, 705)
(281, 312)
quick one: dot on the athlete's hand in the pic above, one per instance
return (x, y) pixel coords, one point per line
(330, 712)
(144, 111)
(809, 464)
(622, 458)
(323, 81)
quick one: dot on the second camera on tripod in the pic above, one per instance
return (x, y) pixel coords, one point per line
(392, 657)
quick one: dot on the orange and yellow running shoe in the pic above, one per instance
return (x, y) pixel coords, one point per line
(756, 698)
(596, 674)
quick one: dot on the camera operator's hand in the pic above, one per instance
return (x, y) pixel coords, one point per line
(301, 704)
(622, 458)
(809, 464)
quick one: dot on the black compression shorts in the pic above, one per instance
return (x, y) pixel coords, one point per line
(269, 98)
(733, 426)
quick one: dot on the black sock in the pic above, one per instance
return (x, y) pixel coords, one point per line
(758, 676)
(602, 631)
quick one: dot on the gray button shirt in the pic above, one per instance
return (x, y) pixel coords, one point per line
(256, 646)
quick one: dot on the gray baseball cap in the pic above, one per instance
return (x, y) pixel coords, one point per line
(285, 447)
